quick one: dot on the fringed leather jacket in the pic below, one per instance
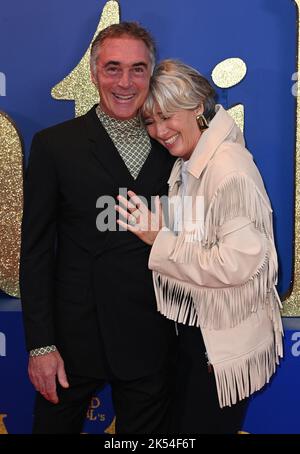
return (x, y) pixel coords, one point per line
(219, 272)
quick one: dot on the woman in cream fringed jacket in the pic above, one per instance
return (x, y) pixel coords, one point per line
(214, 270)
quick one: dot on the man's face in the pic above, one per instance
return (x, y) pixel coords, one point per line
(122, 76)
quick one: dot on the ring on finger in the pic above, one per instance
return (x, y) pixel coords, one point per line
(132, 220)
(136, 213)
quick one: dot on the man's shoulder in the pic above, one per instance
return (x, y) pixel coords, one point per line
(68, 128)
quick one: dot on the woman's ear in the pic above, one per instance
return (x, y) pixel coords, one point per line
(200, 118)
(199, 110)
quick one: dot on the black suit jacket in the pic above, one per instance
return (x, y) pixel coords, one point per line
(89, 292)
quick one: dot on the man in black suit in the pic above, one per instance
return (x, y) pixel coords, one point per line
(88, 302)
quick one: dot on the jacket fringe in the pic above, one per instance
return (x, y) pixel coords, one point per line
(238, 378)
(185, 245)
(237, 196)
(217, 308)
(220, 308)
(275, 316)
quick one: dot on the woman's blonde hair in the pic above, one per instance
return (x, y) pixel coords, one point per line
(175, 86)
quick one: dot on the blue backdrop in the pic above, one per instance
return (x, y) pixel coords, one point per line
(41, 42)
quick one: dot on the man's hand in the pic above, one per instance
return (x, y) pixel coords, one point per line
(42, 372)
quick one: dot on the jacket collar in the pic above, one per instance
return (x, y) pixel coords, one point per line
(105, 152)
(221, 128)
(153, 173)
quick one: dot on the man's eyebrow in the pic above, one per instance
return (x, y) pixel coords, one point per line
(117, 63)
(140, 63)
(112, 62)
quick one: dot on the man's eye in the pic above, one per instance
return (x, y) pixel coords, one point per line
(111, 70)
(139, 69)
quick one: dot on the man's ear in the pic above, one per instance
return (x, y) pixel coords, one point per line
(93, 78)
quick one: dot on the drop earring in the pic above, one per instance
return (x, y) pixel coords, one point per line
(202, 122)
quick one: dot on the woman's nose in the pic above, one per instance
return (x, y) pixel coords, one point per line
(161, 130)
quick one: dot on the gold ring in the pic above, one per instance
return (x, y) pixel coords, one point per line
(132, 220)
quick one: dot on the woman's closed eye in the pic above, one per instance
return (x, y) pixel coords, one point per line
(164, 117)
(148, 121)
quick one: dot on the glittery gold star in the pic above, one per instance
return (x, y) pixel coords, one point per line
(77, 85)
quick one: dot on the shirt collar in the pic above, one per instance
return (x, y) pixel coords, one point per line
(116, 126)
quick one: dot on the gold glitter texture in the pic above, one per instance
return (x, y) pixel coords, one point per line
(238, 114)
(111, 429)
(291, 307)
(11, 204)
(2, 425)
(227, 74)
(77, 85)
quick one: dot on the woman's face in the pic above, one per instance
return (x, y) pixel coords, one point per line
(178, 132)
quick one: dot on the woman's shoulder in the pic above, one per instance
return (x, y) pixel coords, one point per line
(232, 165)
(231, 157)
(231, 160)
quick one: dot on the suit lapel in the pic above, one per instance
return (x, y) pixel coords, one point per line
(105, 152)
(153, 173)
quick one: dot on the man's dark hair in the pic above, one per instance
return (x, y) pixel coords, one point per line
(130, 29)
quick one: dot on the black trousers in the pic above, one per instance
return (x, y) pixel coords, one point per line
(196, 407)
(142, 406)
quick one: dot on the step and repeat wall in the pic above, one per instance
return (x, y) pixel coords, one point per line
(249, 49)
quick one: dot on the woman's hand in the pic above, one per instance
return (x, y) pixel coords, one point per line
(139, 219)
